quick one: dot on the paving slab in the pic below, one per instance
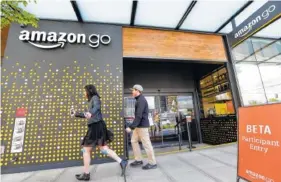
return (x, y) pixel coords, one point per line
(139, 175)
(68, 174)
(209, 165)
(180, 171)
(194, 176)
(16, 177)
(201, 162)
(229, 149)
(220, 157)
(173, 164)
(44, 176)
(107, 171)
(225, 174)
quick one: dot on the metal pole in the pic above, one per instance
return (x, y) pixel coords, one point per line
(237, 179)
(179, 131)
(189, 136)
(161, 126)
(126, 141)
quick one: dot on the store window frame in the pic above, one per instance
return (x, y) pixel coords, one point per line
(256, 63)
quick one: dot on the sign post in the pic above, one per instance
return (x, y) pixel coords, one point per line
(259, 145)
(189, 120)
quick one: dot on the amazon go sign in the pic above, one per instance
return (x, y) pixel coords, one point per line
(53, 40)
(249, 27)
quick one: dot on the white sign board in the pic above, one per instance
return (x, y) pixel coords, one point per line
(18, 135)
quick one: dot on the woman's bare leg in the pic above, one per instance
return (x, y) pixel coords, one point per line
(87, 158)
(110, 153)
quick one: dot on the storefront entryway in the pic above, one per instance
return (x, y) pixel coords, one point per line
(171, 91)
(165, 114)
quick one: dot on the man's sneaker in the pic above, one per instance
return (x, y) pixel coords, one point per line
(83, 177)
(123, 165)
(149, 166)
(136, 164)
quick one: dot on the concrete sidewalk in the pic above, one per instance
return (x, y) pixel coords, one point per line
(216, 164)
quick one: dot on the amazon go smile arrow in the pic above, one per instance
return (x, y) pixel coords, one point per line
(57, 40)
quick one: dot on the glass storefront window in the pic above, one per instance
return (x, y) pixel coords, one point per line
(258, 67)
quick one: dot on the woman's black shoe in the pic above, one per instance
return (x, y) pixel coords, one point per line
(83, 177)
(123, 165)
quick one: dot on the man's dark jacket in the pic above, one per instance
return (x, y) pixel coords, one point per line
(141, 113)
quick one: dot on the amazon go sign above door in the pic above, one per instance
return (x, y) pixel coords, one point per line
(52, 40)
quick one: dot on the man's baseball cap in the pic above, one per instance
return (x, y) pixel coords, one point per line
(137, 87)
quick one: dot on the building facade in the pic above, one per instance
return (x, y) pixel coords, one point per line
(44, 72)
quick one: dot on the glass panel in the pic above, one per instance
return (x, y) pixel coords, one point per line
(185, 106)
(160, 14)
(260, 44)
(168, 116)
(271, 77)
(129, 107)
(250, 84)
(106, 11)
(210, 15)
(58, 10)
(244, 52)
(227, 29)
(270, 52)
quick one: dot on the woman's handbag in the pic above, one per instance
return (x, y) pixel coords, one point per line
(110, 135)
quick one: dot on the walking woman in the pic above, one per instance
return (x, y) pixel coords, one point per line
(97, 134)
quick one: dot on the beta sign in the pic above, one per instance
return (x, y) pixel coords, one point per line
(260, 143)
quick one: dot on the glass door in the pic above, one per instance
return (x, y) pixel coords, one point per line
(165, 112)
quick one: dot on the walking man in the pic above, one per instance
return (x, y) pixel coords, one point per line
(140, 128)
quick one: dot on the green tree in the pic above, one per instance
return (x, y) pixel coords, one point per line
(13, 13)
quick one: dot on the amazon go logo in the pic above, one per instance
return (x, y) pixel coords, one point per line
(53, 40)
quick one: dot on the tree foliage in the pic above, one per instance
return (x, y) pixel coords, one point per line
(13, 13)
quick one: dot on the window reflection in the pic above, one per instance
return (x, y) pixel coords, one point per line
(244, 52)
(269, 52)
(250, 83)
(271, 77)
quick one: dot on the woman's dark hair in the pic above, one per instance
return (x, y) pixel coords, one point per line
(91, 91)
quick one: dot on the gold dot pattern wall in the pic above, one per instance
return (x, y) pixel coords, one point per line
(48, 91)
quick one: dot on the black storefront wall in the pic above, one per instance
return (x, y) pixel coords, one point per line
(47, 82)
(154, 76)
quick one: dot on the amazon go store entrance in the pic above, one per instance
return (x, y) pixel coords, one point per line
(171, 91)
